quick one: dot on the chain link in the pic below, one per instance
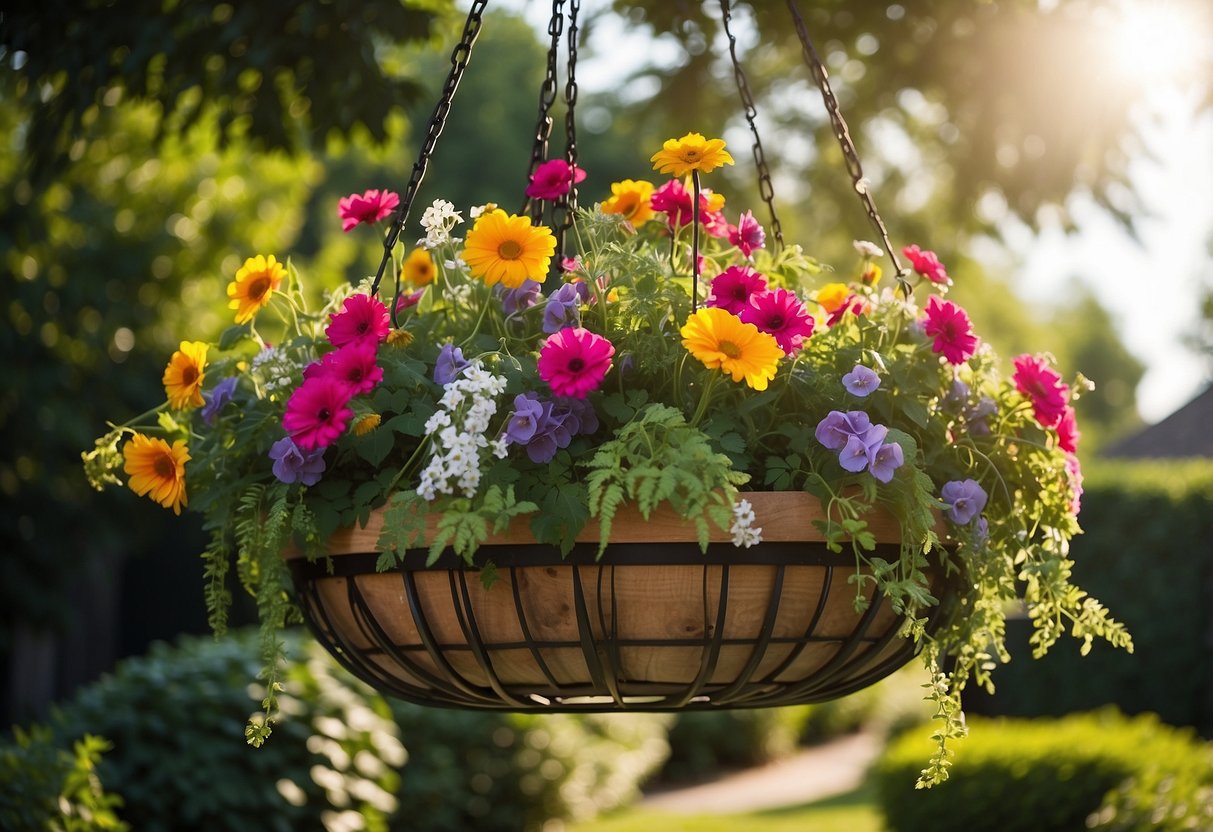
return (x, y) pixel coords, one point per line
(566, 206)
(843, 135)
(547, 97)
(459, 61)
(765, 189)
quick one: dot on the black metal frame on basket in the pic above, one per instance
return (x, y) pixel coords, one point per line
(599, 643)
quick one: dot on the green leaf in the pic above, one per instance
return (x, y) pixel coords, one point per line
(374, 446)
(234, 334)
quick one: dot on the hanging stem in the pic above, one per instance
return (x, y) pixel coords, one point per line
(694, 240)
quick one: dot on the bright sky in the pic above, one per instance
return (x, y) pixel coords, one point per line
(1151, 286)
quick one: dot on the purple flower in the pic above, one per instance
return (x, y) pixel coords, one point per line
(860, 450)
(292, 464)
(887, 460)
(514, 301)
(564, 307)
(966, 497)
(835, 429)
(448, 365)
(219, 397)
(524, 421)
(981, 531)
(861, 381)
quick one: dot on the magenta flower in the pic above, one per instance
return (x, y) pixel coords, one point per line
(354, 365)
(574, 361)
(747, 235)
(553, 179)
(317, 412)
(673, 200)
(927, 264)
(363, 318)
(1074, 477)
(372, 206)
(409, 300)
(948, 324)
(1044, 388)
(1067, 431)
(733, 288)
(714, 223)
(779, 313)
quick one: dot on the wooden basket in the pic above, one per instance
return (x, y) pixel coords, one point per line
(656, 624)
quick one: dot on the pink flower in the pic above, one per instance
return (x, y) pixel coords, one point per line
(853, 304)
(1074, 478)
(574, 361)
(1043, 387)
(715, 223)
(372, 206)
(673, 200)
(410, 300)
(747, 235)
(553, 179)
(927, 264)
(1067, 431)
(363, 318)
(948, 324)
(354, 365)
(734, 287)
(780, 313)
(317, 412)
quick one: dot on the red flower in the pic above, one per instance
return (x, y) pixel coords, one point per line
(927, 264)
(372, 206)
(1043, 387)
(948, 324)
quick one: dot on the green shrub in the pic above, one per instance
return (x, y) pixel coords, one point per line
(702, 742)
(1032, 775)
(1146, 554)
(49, 789)
(176, 719)
(1161, 800)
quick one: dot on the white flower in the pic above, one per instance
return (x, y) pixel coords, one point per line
(501, 446)
(867, 249)
(461, 294)
(744, 534)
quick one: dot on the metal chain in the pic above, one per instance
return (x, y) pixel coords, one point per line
(843, 135)
(765, 188)
(459, 61)
(566, 206)
(547, 97)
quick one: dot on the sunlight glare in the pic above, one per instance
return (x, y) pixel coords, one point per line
(1156, 41)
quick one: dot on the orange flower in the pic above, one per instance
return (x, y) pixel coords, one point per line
(157, 470)
(255, 284)
(418, 267)
(631, 198)
(183, 376)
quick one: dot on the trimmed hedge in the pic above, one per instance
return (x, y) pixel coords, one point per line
(1041, 775)
(1147, 554)
(336, 759)
(703, 742)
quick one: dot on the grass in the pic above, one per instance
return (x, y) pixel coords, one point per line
(851, 812)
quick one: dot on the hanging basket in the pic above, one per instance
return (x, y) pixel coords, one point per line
(655, 624)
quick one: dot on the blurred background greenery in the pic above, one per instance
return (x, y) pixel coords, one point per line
(151, 146)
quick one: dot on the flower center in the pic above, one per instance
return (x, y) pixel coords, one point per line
(775, 322)
(730, 349)
(690, 154)
(258, 288)
(509, 250)
(363, 327)
(576, 365)
(324, 414)
(189, 375)
(165, 468)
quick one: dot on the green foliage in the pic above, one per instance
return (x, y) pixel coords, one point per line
(1144, 550)
(703, 742)
(1162, 799)
(179, 761)
(51, 789)
(1036, 776)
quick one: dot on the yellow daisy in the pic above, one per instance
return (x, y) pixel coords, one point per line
(508, 249)
(184, 374)
(833, 295)
(631, 198)
(254, 286)
(418, 267)
(678, 157)
(157, 470)
(720, 340)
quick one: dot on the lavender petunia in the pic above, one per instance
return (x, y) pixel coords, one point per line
(293, 464)
(449, 363)
(524, 421)
(966, 498)
(514, 301)
(218, 399)
(835, 429)
(563, 308)
(861, 381)
(886, 461)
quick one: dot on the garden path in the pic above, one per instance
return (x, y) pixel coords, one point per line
(835, 767)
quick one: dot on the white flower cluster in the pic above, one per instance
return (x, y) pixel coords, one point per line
(275, 367)
(459, 429)
(743, 531)
(438, 221)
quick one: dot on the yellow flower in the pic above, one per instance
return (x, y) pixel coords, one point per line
(367, 424)
(418, 267)
(508, 249)
(720, 340)
(833, 295)
(871, 274)
(183, 375)
(399, 338)
(631, 199)
(254, 286)
(678, 157)
(157, 470)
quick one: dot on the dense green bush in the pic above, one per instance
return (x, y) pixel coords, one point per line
(1147, 553)
(45, 788)
(702, 742)
(1161, 800)
(1032, 775)
(336, 760)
